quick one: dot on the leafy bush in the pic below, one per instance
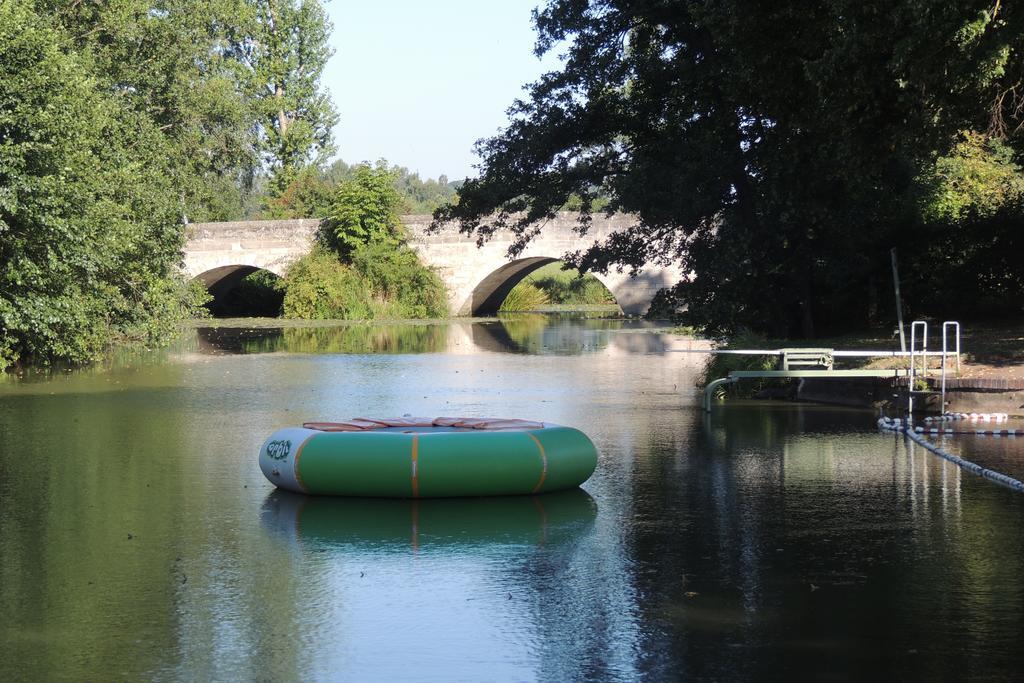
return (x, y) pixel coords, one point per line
(362, 268)
(381, 282)
(163, 306)
(365, 211)
(400, 285)
(574, 289)
(319, 287)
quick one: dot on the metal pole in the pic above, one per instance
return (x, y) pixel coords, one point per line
(913, 361)
(899, 303)
(909, 388)
(945, 327)
(942, 399)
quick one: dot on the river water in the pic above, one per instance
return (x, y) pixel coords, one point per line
(139, 540)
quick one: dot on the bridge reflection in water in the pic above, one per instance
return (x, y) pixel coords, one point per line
(528, 334)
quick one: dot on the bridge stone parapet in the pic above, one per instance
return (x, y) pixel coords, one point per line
(477, 278)
(271, 245)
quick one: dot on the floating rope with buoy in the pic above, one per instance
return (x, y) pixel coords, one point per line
(891, 424)
(973, 417)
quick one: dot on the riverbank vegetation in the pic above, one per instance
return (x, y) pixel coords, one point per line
(119, 123)
(122, 122)
(89, 212)
(362, 268)
(779, 153)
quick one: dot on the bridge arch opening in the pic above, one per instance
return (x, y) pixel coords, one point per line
(243, 291)
(500, 290)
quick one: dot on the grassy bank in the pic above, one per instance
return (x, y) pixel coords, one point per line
(550, 288)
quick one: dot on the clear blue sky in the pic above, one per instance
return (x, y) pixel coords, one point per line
(418, 82)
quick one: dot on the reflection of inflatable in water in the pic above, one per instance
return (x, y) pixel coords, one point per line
(377, 523)
(427, 457)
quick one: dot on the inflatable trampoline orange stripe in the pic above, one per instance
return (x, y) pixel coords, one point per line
(415, 466)
(543, 460)
(298, 474)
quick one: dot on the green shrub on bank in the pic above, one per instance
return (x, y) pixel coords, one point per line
(362, 268)
(319, 287)
(364, 211)
(568, 287)
(381, 282)
(400, 285)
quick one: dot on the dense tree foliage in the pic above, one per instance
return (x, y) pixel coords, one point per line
(308, 195)
(365, 210)
(363, 268)
(171, 62)
(778, 151)
(89, 215)
(235, 84)
(283, 46)
(311, 193)
(422, 196)
(120, 122)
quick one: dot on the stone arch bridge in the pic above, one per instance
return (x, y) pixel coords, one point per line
(478, 279)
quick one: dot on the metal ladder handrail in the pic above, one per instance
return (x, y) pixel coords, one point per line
(911, 373)
(913, 360)
(945, 327)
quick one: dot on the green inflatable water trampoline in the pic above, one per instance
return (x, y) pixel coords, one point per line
(427, 458)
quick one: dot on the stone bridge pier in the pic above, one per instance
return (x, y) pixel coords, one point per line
(477, 279)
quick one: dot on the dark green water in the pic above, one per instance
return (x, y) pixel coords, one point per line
(139, 540)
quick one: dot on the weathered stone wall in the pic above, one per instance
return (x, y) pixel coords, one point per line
(271, 245)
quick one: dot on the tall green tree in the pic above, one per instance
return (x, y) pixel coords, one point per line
(234, 84)
(171, 61)
(284, 49)
(90, 227)
(769, 148)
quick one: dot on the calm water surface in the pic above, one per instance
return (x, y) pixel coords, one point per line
(139, 540)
